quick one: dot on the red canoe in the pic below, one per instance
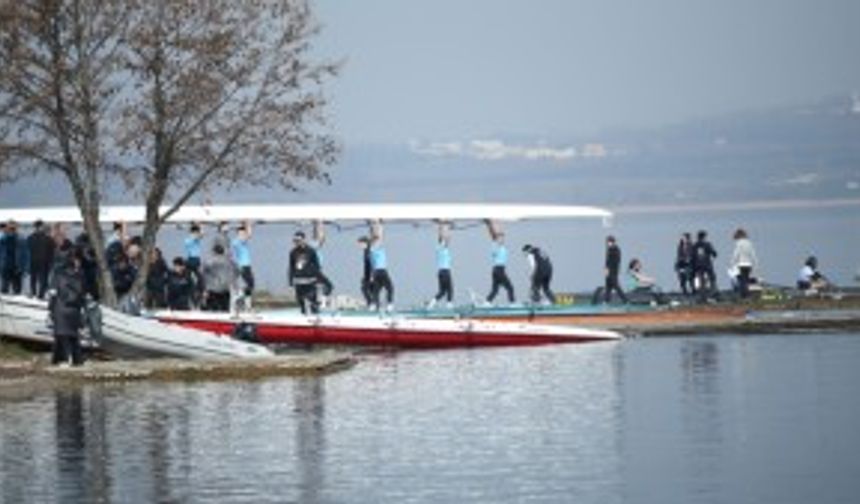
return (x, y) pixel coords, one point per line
(379, 331)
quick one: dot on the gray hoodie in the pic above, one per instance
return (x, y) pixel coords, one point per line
(219, 274)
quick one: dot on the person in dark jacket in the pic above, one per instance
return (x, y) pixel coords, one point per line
(89, 265)
(684, 264)
(156, 281)
(41, 248)
(367, 274)
(613, 265)
(303, 273)
(703, 264)
(14, 259)
(123, 274)
(65, 307)
(541, 268)
(180, 286)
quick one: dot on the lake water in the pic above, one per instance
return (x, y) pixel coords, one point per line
(679, 420)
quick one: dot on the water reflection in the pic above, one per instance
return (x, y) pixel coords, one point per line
(676, 420)
(309, 397)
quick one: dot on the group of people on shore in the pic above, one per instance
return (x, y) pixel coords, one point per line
(694, 267)
(192, 281)
(306, 276)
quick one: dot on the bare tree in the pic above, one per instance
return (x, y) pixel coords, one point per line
(170, 96)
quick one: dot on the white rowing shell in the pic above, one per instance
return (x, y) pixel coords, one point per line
(327, 212)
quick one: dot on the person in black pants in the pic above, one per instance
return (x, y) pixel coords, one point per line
(443, 266)
(499, 257)
(684, 264)
(541, 268)
(65, 308)
(181, 287)
(41, 259)
(14, 258)
(613, 265)
(367, 275)
(703, 264)
(304, 270)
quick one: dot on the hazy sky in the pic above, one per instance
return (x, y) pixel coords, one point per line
(450, 69)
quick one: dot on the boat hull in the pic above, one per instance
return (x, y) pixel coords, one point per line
(26, 320)
(386, 332)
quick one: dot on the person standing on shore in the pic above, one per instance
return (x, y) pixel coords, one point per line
(41, 259)
(703, 265)
(303, 274)
(241, 249)
(65, 308)
(316, 244)
(367, 271)
(443, 266)
(219, 276)
(194, 260)
(684, 264)
(499, 257)
(743, 261)
(541, 268)
(379, 263)
(14, 259)
(611, 270)
(181, 288)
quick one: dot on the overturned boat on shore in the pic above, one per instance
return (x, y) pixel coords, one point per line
(25, 319)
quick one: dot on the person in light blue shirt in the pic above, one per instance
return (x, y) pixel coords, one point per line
(242, 257)
(379, 265)
(317, 244)
(193, 260)
(443, 266)
(499, 256)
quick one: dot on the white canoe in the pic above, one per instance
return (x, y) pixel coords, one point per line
(26, 319)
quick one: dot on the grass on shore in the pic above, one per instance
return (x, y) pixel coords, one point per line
(12, 351)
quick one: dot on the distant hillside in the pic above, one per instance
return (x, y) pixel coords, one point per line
(810, 151)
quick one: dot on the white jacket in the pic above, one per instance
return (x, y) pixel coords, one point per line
(744, 254)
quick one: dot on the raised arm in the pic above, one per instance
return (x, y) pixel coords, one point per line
(319, 232)
(375, 231)
(444, 232)
(493, 228)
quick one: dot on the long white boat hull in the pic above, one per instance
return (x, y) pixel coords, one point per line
(25, 319)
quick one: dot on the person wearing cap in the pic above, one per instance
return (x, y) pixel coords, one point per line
(41, 248)
(499, 256)
(611, 270)
(541, 268)
(14, 259)
(303, 274)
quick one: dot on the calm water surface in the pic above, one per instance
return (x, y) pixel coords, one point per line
(723, 420)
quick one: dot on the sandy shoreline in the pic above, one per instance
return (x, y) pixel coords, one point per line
(28, 375)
